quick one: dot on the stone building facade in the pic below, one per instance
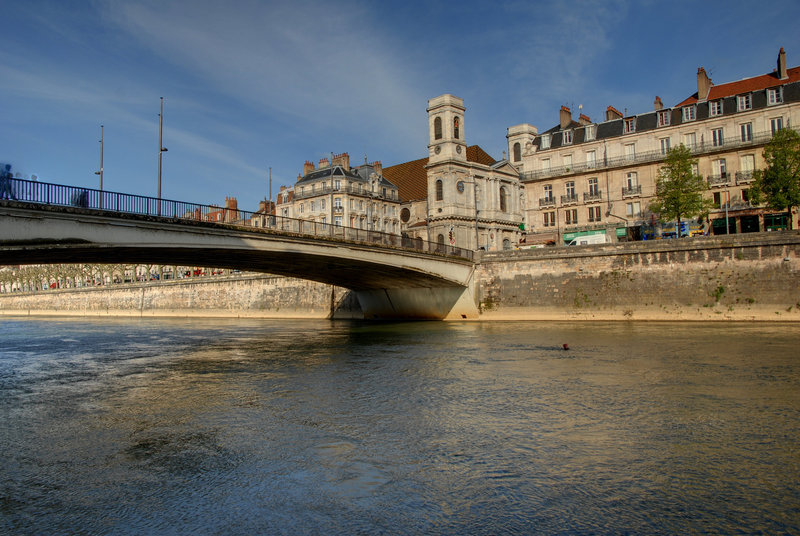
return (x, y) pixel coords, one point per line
(582, 177)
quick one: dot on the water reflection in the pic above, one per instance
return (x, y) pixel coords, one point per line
(234, 427)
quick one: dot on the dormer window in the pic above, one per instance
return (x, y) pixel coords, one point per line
(567, 137)
(689, 113)
(544, 142)
(774, 96)
(663, 118)
(715, 108)
(589, 132)
(744, 102)
(630, 125)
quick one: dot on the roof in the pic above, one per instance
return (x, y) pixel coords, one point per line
(746, 85)
(411, 178)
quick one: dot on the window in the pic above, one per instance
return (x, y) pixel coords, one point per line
(630, 151)
(437, 128)
(747, 131)
(567, 137)
(286, 198)
(690, 140)
(383, 191)
(323, 220)
(663, 118)
(720, 168)
(594, 214)
(567, 159)
(774, 96)
(544, 141)
(337, 185)
(313, 206)
(664, 145)
(439, 190)
(549, 219)
(569, 189)
(589, 132)
(545, 164)
(455, 127)
(695, 169)
(715, 108)
(631, 180)
(716, 137)
(629, 125)
(322, 204)
(633, 209)
(591, 159)
(337, 202)
(337, 221)
(302, 207)
(593, 187)
(517, 152)
(689, 113)
(744, 102)
(503, 199)
(747, 163)
(776, 124)
(571, 216)
(548, 192)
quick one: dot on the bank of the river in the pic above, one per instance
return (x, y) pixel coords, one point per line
(736, 278)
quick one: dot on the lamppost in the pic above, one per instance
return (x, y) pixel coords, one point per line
(101, 167)
(161, 150)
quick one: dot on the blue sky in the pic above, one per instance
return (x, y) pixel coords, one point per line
(250, 85)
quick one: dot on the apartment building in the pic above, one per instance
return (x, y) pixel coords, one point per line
(333, 192)
(583, 177)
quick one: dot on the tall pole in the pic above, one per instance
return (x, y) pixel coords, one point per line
(101, 166)
(269, 207)
(161, 149)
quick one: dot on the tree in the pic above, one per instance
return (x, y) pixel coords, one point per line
(779, 181)
(679, 192)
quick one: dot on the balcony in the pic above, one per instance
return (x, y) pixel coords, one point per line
(717, 181)
(593, 196)
(569, 199)
(632, 191)
(744, 177)
(338, 210)
(547, 202)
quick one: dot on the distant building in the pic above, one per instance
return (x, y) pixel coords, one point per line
(458, 195)
(359, 197)
(582, 177)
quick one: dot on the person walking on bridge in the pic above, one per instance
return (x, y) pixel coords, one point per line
(5, 184)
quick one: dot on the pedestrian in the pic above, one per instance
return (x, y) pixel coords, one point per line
(5, 184)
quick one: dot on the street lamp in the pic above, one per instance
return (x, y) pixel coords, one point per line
(161, 149)
(101, 167)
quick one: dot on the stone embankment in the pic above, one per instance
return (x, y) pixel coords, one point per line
(741, 277)
(737, 277)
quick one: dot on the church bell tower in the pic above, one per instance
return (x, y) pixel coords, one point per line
(446, 129)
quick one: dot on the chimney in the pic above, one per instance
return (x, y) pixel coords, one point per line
(342, 160)
(378, 167)
(612, 113)
(231, 203)
(323, 163)
(262, 206)
(308, 167)
(782, 74)
(657, 104)
(566, 117)
(703, 84)
(584, 119)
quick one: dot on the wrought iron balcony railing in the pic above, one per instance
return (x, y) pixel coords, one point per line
(715, 181)
(632, 191)
(593, 196)
(744, 177)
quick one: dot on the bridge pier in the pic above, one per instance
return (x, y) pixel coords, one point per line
(443, 303)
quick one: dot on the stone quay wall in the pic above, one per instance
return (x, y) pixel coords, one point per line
(257, 296)
(736, 277)
(741, 277)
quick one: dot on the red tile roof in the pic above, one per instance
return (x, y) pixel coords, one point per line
(411, 178)
(746, 86)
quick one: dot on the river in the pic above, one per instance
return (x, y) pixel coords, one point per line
(204, 426)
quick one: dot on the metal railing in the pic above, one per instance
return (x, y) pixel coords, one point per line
(547, 201)
(593, 196)
(744, 177)
(696, 149)
(723, 179)
(631, 191)
(569, 199)
(181, 211)
(323, 189)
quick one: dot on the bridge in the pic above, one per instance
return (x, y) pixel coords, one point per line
(392, 276)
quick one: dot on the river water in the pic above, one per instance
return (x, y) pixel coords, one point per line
(313, 427)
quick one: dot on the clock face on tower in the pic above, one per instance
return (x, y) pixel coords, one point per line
(460, 186)
(458, 149)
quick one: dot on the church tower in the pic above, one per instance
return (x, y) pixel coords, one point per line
(446, 129)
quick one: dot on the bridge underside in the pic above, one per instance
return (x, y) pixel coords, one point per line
(389, 282)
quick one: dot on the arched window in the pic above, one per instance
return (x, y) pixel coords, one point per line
(440, 239)
(439, 190)
(506, 244)
(503, 199)
(517, 152)
(455, 128)
(437, 128)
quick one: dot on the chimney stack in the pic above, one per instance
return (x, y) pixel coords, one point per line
(324, 163)
(378, 167)
(657, 104)
(342, 160)
(584, 119)
(612, 113)
(308, 167)
(566, 117)
(703, 84)
(782, 74)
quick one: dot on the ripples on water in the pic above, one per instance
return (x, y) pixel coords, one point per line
(311, 427)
